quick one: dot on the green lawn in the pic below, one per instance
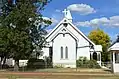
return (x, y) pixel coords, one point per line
(60, 74)
(62, 77)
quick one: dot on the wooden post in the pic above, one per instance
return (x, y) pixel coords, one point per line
(113, 57)
(100, 59)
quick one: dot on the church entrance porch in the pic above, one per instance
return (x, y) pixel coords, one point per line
(96, 56)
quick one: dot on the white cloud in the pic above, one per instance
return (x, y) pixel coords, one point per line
(114, 21)
(82, 9)
(111, 21)
(57, 10)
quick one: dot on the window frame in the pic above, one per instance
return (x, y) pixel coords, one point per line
(61, 50)
(66, 52)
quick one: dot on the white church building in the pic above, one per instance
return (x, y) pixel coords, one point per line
(66, 43)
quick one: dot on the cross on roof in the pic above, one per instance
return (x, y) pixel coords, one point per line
(65, 12)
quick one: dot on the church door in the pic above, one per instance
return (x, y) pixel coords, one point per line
(95, 56)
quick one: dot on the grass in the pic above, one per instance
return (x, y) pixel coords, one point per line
(69, 70)
(63, 77)
(60, 73)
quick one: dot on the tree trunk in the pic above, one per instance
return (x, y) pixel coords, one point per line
(4, 61)
(16, 65)
(1, 62)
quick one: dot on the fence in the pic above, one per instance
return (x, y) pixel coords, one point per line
(24, 65)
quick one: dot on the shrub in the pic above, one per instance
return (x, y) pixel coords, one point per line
(34, 63)
(93, 64)
(48, 62)
(5, 66)
(83, 62)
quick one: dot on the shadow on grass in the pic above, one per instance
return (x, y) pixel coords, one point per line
(108, 70)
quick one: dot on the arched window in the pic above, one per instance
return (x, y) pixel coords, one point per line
(66, 52)
(61, 52)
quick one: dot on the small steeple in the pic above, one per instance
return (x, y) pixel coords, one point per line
(67, 14)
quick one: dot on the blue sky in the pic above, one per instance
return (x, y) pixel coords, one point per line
(87, 14)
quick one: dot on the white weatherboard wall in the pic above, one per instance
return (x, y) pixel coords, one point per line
(46, 51)
(83, 52)
(59, 42)
(116, 68)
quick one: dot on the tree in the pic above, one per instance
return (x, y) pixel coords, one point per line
(4, 45)
(21, 46)
(100, 38)
(26, 28)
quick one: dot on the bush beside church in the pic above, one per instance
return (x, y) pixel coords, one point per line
(83, 62)
(35, 63)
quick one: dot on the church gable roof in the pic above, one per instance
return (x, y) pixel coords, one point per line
(64, 30)
(67, 20)
(81, 33)
(53, 30)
